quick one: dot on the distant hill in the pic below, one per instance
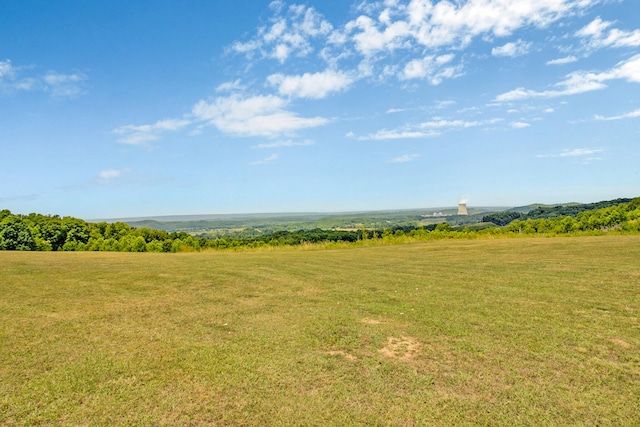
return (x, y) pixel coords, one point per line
(537, 211)
(251, 225)
(528, 208)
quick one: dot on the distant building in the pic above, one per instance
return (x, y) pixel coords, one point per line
(435, 214)
(462, 209)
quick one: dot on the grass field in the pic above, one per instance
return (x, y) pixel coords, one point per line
(476, 332)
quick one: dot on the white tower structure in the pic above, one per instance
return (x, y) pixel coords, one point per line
(462, 208)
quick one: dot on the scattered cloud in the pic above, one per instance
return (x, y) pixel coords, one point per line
(370, 38)
(64, 85)
(233, 86)
(311, 85)
(561, 61)
(59, 85)
(405, 158)
(512, 49)
(575, 152)
(289, 143)
(262, 115)
(441, 123)
(388, 38)
(598, 35)
(445, 104)
(384, 134)
(109, 175)
(272, 158)
(580, 82)
(432, 68)
(6, 69)
(631, 115)
(429, 129)
(400, 25)
(145, 134)
(288, 33)
(383, 28)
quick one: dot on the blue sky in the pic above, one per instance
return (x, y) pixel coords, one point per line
(120, 109)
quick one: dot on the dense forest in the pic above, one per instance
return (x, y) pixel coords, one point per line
(573, 209)
(36, 232)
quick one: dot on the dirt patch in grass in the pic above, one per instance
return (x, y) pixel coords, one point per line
(619, 341)
(341, 353)
(371, 321)
(403, 348)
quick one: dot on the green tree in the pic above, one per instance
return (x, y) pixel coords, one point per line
(53, 232)
(154, 246)
(77, 230)
(139, 245)
(16, 235)
(443, 227)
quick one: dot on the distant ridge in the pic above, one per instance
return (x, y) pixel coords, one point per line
(528, 208)
(270, 215)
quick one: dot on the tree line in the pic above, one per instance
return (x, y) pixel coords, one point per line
(37, 232)
(546, 212)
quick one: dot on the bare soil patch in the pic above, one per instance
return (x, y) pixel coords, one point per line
(341, 353)
(403, 348)
(619, 341)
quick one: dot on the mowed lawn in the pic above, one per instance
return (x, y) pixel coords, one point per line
(468, 332)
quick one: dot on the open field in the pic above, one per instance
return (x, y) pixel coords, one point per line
(490, 332)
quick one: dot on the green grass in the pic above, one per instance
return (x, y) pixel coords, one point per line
(465, 332)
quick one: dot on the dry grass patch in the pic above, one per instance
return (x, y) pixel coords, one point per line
(403, 348)
(622, 343)
(341, 353)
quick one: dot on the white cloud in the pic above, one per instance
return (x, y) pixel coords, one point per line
(561, 61)
(63, 84)
(288, 143)
(6, 69)
(410, 39)
(288, 33)
(405, 158)
(429, 129)
(272, 158)
(145, 134)
(233, 86)
(308, 85)
(384, 134)
(631, 115)
(431, 68)
(109, 175)
(369, 39)
(450, 24)
(441, 123)
(512, 49)
(445, 104)
(414, 27)
(56, 84)
(519, 125)
(598, 36)
(575, 152)
(580, 82)
(253, 116)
